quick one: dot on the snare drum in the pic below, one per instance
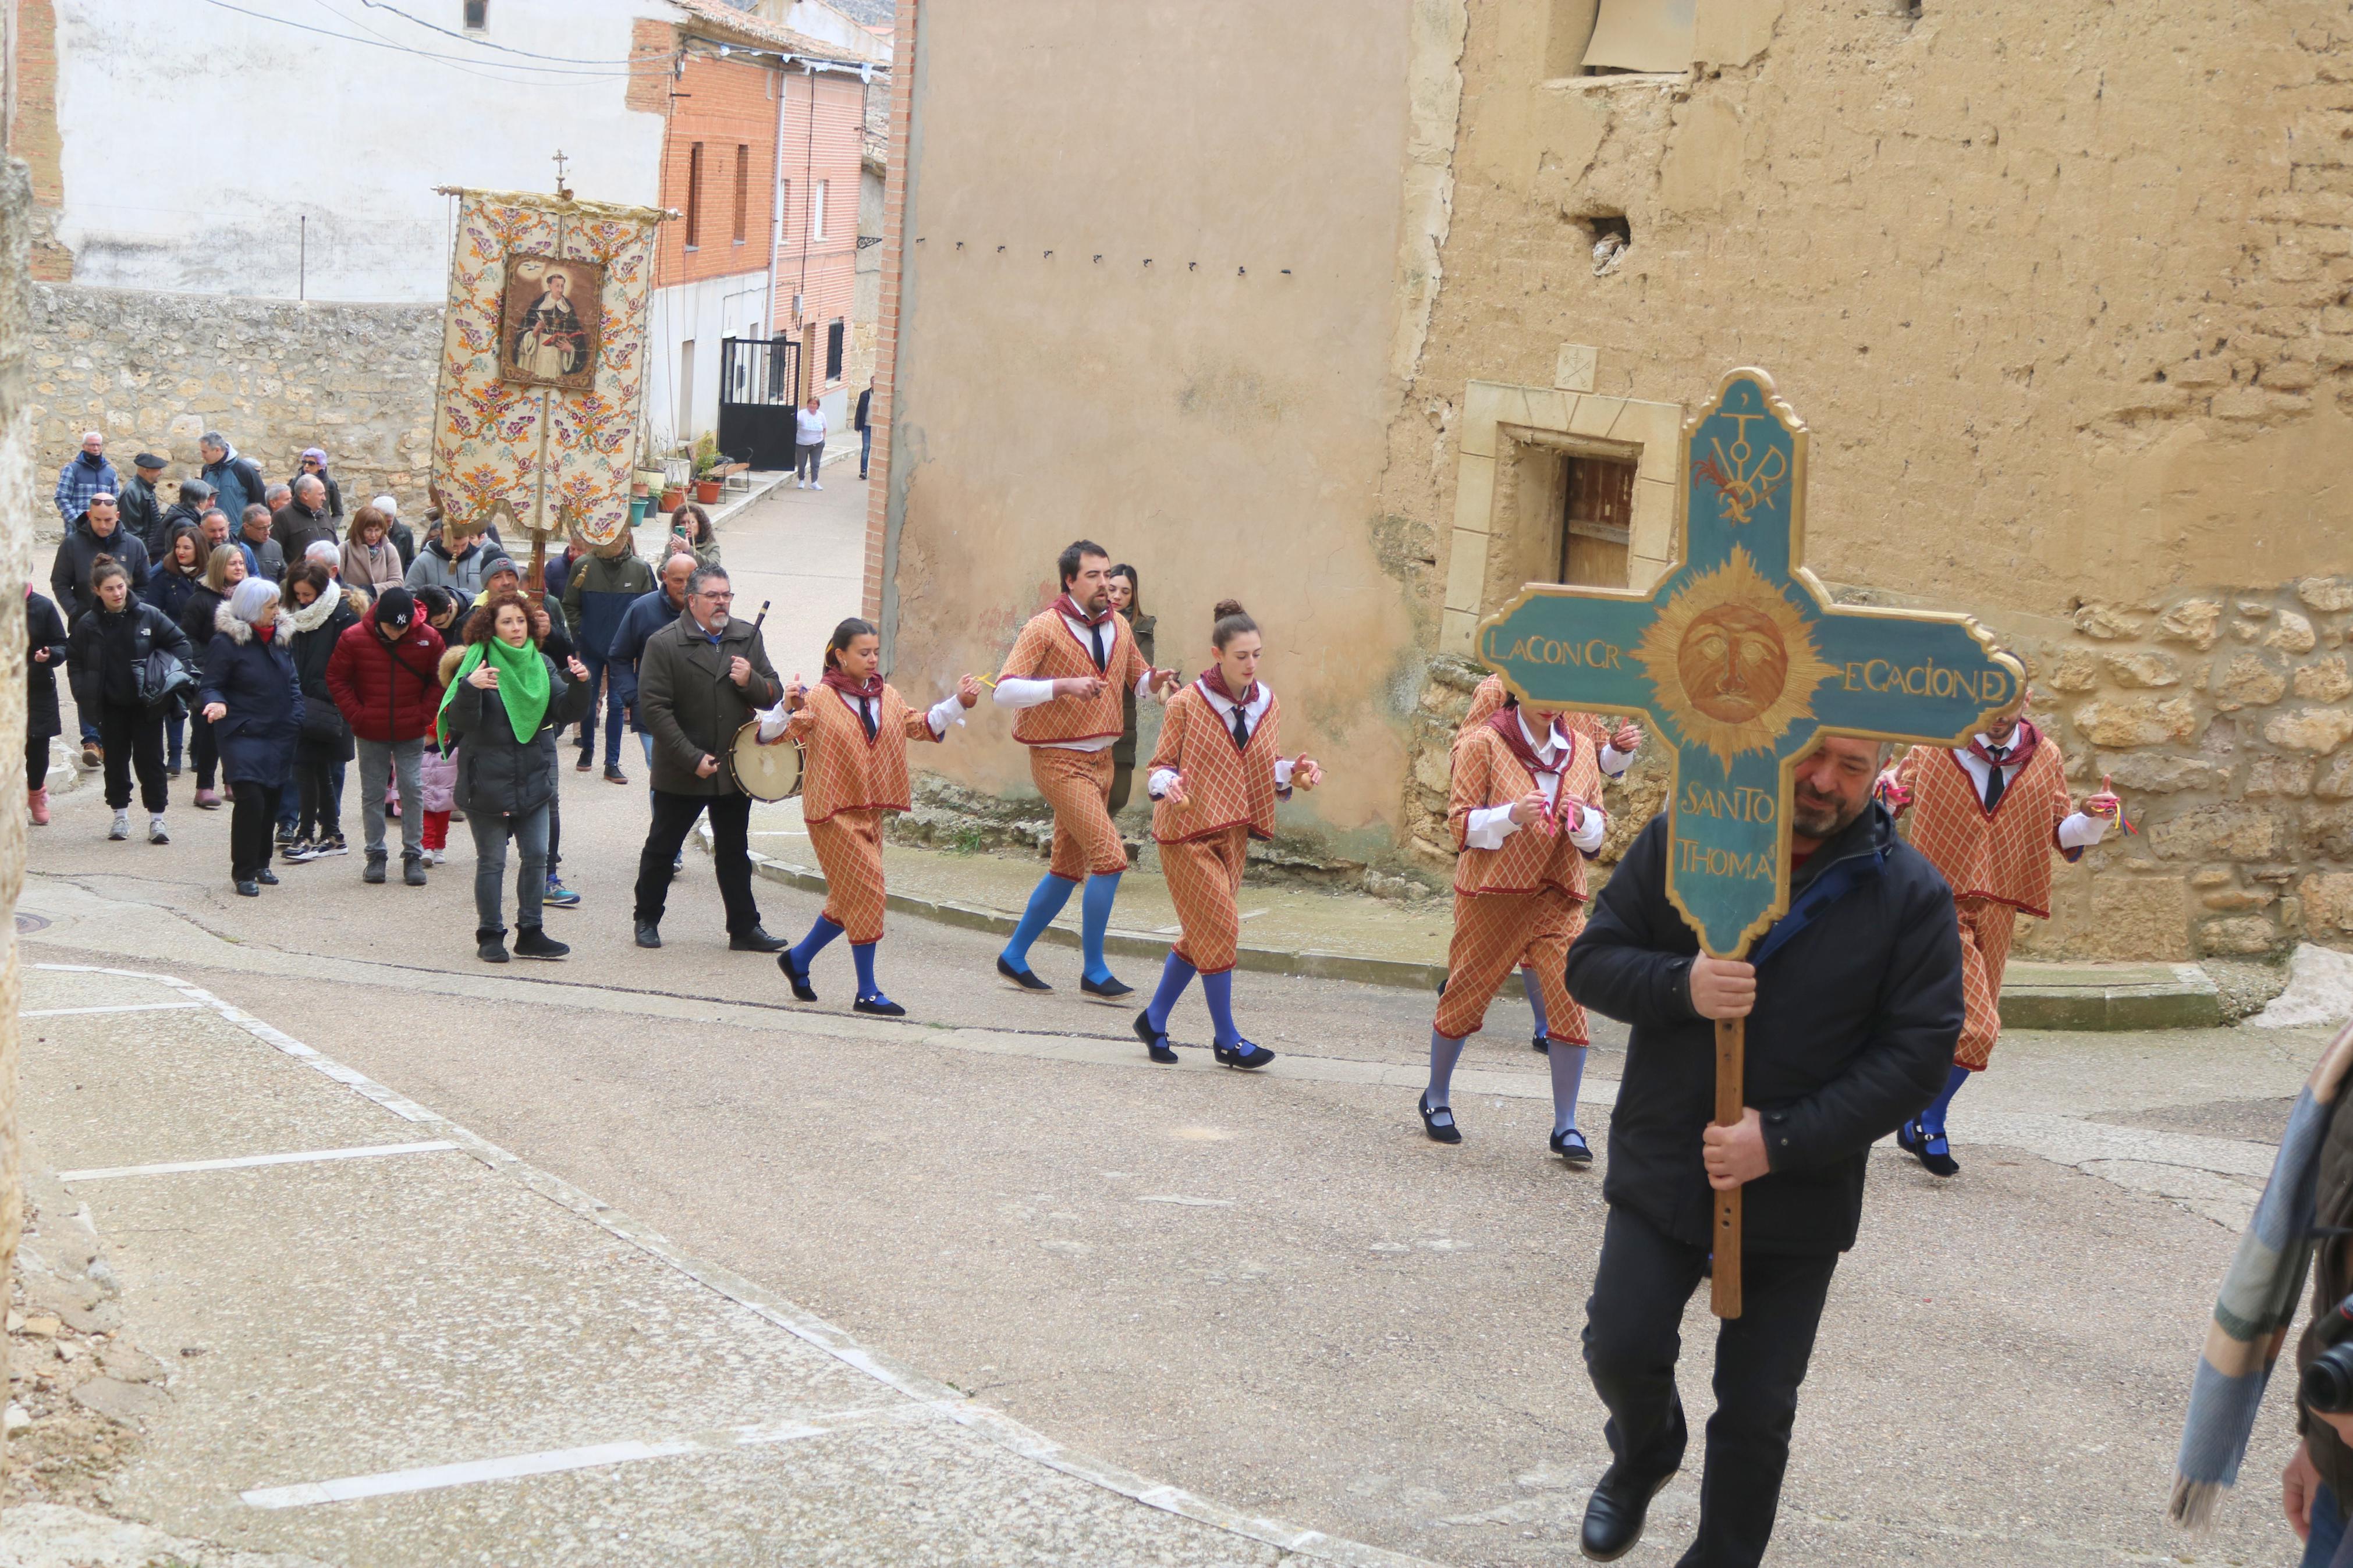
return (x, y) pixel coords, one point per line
(769, 772)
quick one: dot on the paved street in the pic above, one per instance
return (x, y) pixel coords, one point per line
(1271, 1292)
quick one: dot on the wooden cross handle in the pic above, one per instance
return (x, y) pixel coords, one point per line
(1731, 1072)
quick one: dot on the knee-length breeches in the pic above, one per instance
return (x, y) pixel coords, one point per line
(1985, 929)
(1077, 784)
(1495, 933)
(1204, 875)
(848, 846)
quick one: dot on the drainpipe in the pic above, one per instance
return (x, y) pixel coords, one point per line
(776, 203)
(808, 194)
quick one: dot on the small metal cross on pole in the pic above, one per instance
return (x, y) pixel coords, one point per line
(561, 189)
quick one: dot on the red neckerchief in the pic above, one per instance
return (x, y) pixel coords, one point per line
(1213, 680)
(871, 688)
(2023, 742)
(1070, 606)
(1506, 723)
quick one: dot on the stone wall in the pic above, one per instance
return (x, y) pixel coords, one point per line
(2222, 718)
(18, 506)
(156, 370)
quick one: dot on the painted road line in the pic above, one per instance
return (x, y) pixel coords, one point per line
(1188, 1203)
(514, 1467)
(118, 1008)
(246, 1162)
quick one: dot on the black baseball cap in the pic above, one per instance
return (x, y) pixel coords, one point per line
(395, 608)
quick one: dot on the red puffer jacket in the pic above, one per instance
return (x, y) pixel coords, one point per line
(389, 691)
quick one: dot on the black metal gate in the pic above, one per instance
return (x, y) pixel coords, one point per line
(758, 378)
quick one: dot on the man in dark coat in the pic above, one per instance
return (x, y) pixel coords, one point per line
(96, 533)
(598, 592)
(646, 615)
(143, 512)
(700, 682)
(196, 500)
(1853, 1016)
(303, 521)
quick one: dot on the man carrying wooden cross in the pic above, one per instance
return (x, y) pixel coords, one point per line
(1850, 1031)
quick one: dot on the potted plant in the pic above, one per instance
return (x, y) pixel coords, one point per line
(706, 467)
(673, 497)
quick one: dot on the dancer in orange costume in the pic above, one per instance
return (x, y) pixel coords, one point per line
(1613, 746)
(1216, 776)
(1526, 813)
(1987, 816)
(855, 728)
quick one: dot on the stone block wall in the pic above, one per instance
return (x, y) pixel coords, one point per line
(2222, 718)
(156, 370)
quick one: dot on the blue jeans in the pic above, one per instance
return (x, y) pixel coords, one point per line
(865, 449)
(490, 831)
(597, 664)
(2328, 1530)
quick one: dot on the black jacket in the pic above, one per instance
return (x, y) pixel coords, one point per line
(47, 629)
(326, 735)
(1854, 1031)
(142, 513)
(496, 773)
(79, 551)
(107, 649)
(296, 528)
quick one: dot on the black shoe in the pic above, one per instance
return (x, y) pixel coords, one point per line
(490, 946)
(880, 1005)
(1245, 1055)
(284, 835)
(374, 872)
(1440, 1131)
(412, 870)
(648, 934)
(1922, 1145)
(796, 977)
(247, 888)
(586, 764)
(1573, 1149)
(613, 774)
(266, 877)
(1614, 1515)
(1541, 1044)
(1158, 1046)
(1113, 991)
(1021, 979)
(533, 941)
(756, 941)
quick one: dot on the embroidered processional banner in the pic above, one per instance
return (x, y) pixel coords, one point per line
(542, 363)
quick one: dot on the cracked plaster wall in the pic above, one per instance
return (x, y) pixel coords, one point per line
(2066, 296)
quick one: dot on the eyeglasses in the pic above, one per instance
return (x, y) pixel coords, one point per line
(716, 598)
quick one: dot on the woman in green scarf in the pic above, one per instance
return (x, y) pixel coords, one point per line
(506, 702)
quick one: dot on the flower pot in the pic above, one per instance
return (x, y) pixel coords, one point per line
(673, 499)
(646, 478)
(638, 505)
(639, 488)
(706, 491)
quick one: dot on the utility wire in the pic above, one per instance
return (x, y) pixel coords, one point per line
(480, 42)
(562, 71)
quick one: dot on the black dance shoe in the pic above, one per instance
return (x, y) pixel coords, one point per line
(1112, 991)
(1921, 1144)
(796, 977)
(1157, 1043)
(1019, 979)
(1243, 1055)
(1614, 1515)
(1573, 1149)
(880, 1005)
(1441, 1131)
(1541, 1044)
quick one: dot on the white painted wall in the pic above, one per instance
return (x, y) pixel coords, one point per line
(194, 136)
(703, 313)
(815, 20)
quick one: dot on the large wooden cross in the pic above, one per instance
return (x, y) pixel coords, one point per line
(1740, 661)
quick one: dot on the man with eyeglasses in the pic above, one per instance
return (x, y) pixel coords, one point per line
(701, 679)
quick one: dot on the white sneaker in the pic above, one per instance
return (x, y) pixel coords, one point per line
(155, 834)
(815, 486)
(121, 828)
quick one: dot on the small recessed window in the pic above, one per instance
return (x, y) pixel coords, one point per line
(833, 338)
(478, 14)
(743, 189)
(817, 210)
(1596, 522)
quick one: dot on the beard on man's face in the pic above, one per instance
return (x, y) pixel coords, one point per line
(1818, 816)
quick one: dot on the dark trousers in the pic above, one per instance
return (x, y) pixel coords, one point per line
(1640, 1289)
(865, 450)
(731, 843)
(175, 728)
(321, 815)
(134, 739)
(250, 819)
(36, 762)
(203, 751)
(595, 664)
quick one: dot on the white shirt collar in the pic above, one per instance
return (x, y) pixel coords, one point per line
(1225, 708)
(1547, 750)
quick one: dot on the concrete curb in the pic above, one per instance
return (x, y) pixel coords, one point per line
(2054, 996)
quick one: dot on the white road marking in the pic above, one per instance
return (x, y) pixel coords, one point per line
(473, 1472)
(118, 1008)
(1188, 1203)
(246, 1161)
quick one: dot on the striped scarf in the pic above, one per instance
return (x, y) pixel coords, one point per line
(2258, 1301)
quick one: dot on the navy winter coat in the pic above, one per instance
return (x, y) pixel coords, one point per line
(255, 680)
(1853, 1034)
(46, 629)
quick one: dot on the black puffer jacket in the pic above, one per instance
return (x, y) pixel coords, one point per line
(310, 633)
(46, 629)
(1854, 1031)
(107, 649)
(497, 772)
